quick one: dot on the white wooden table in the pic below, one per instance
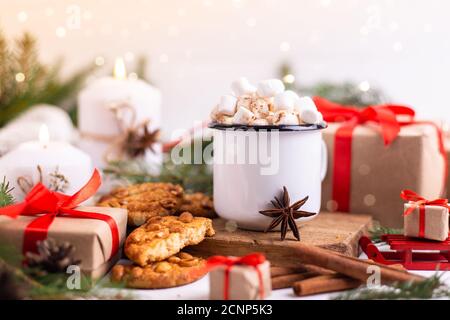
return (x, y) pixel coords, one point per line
(199, 290)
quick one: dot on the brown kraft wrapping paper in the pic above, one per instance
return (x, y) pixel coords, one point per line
(379, 173)
(243, 282)
(92, 238)
(436, 222)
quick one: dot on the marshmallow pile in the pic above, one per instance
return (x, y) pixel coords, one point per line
(266, 104)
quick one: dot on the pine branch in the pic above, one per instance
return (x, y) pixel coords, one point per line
(48, 286)
(6, 197)
(347, 93)
(6, 75)
(42, 83)
(431, 288)
(27, 57)
(192, 177)
(60, 91)
(19, 274)
(377, 231)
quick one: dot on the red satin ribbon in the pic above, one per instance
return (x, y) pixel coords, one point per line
(253, 260)
(418, 201)
(390, 118)
(47, 205)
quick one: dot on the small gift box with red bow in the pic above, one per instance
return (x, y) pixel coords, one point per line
(374, 153)
(243, 278)
(96, 233)
(428, 219)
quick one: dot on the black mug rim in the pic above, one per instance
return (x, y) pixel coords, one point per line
(240, 127)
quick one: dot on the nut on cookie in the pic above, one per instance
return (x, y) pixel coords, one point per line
(161, 237)
(177, 270)
(199, 204)
(145, 200)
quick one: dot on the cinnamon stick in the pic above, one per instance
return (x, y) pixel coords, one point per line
(286, 281)
(351, 267)
(324, 284)
(397, 266)
(318, 270)
(282, 271)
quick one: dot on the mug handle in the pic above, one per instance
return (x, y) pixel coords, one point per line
(324, 161)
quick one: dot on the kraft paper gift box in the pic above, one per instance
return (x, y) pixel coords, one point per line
(243, 282)
(92, 238)
(434, 223)
(378, 172)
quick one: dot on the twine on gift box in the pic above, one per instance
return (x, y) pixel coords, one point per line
(134, 139)
(47, 205)
(417, 201)
(252, 260)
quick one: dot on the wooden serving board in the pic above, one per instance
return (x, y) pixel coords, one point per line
(339, 232)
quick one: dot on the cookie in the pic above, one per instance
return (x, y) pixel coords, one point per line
(199, 204)
(145, 200)
(175, 271)
(161, 237)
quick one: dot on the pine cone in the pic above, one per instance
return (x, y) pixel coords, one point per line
(52, 257)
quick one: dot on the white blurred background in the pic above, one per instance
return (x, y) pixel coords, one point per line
(197, 47)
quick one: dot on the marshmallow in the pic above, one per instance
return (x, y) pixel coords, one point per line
(214, 115)
(243, 116)
(270, 88)
(223, 119)
(260, 107)
(259, 122)
(227, 105)
(286, 118)
(244, 102)
(286, 100)
(305, 103)
(270, 118)
(242, 87)
(311, 116)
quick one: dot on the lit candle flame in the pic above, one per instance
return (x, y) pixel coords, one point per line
(120, 71)
(44, 135)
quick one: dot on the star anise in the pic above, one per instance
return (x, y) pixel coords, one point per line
(138, 142)
(285, 213)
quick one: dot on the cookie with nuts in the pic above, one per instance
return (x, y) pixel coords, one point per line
(161, 237)
(199, 204)
(177, 270)
(145, 200)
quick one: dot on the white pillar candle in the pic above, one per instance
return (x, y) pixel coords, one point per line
(99, 125)
(52, 157)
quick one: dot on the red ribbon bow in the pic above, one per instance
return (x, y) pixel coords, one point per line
(418, 201)
(252, 260)
(386, 115)
(390, 119)
(47, 205)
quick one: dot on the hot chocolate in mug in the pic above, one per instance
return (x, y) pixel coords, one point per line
(253, 163)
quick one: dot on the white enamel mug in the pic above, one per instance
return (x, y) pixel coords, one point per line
(252, 164)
